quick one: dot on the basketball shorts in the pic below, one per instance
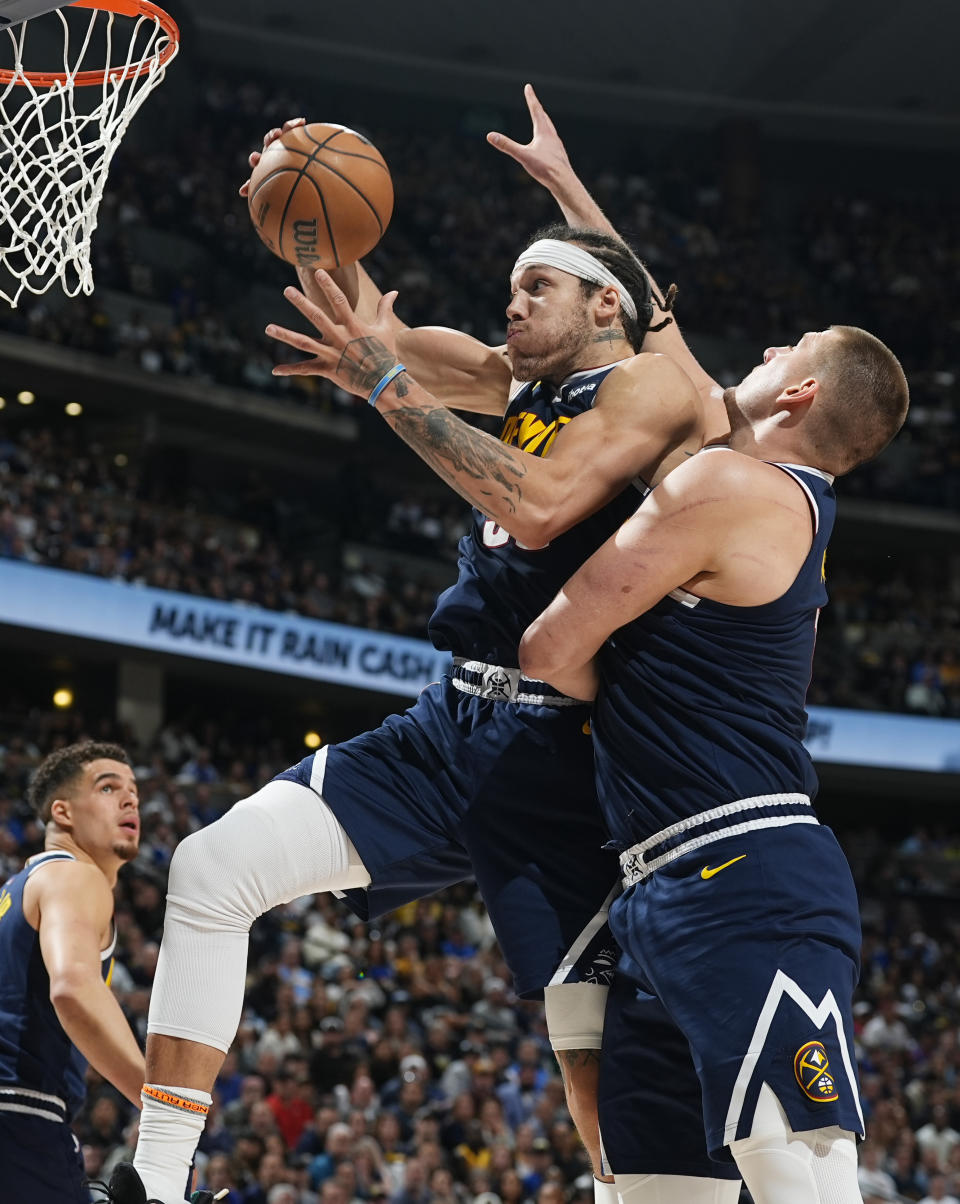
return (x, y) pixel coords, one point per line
(462, 786)
(40, 1162)
(750, 946)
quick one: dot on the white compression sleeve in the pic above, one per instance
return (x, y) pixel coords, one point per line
(676, 1189)
(279, 844)
(781, 1166)
(574, 1013)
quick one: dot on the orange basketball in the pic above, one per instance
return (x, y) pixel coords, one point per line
(321, 196)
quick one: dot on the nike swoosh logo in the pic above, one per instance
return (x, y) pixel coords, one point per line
(707, 872)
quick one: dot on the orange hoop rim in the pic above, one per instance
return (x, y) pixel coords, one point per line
(86, 79)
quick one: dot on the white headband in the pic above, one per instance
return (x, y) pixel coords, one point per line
(568, 257)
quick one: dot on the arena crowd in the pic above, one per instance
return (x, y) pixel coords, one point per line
(392, 1061)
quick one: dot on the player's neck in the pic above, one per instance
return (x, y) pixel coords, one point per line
(767, 440)
(590, 360)
(63, 842)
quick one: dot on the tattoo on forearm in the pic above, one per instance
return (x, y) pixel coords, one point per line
(451, 447)
(364, 362)
(570, 1059)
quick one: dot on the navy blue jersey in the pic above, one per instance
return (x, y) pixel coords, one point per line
(35, 1052)
(701, 703)
(502, 586)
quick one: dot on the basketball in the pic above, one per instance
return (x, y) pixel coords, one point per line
(321, 196)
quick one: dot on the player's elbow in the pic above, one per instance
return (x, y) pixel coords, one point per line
(536, 524)
(67, 988)
(539, 654)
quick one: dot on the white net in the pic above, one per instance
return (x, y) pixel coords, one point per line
(58, 134)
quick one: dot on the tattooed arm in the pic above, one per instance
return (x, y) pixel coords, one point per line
(534, 498)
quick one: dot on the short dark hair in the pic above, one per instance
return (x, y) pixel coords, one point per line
(63, 768)
(616, 256)
(868, 398)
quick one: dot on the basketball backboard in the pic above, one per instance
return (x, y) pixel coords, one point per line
(12, 12)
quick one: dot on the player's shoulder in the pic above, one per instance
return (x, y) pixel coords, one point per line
(79, 883)
(651, 367)
(656, 380)
(718, 473)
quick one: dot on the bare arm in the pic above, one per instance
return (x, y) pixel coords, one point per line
(75, 906)
(723, 526)
(645, 411)
(545, 159)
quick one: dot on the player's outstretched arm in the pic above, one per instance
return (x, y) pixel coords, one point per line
(75, 906)
(533, 498)
(545, 159)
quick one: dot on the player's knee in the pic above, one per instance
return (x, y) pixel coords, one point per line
(212, 882)
(789, 1167)
(574, 1013)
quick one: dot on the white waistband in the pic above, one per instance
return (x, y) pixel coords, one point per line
(635, 868)
(505, 684)
(30, 1102)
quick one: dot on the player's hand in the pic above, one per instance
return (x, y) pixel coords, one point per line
(544, 157)
(355, 355)
(269, 137)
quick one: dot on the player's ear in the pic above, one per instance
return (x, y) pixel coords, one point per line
(61, 813)
(607, 302)
(798, 397)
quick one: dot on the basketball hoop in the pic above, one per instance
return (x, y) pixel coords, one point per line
(56, 143)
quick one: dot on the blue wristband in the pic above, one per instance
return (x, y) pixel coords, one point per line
(384, 381)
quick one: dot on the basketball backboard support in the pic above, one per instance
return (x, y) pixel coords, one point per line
(12, 12)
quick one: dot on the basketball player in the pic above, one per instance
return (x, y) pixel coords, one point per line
(692, 631)
(489, 774)
(56, 944)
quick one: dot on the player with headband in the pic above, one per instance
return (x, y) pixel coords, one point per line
(489, 774)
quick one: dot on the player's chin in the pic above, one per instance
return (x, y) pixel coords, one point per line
(126, 850)
(523, 367)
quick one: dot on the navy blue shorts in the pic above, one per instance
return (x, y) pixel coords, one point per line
(39, 1161)
(459, 787)
(751, 945)
(651, 1113)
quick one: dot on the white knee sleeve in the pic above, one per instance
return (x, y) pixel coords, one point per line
(781, 1166)
(676, 1189)
(279, 844)
(574, 1013)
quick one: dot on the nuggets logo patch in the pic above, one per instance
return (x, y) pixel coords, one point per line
(497, 684)
(812, 1069)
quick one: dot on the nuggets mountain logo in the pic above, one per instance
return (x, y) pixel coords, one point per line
(812, 1068)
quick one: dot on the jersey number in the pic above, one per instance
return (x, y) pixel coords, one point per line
(493, 535)
(496, 537)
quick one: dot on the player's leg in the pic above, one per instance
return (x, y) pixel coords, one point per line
(395, 790)
(279, 844)
(760, 978)
(781, 1166)
(574, 1015)
(535, 840)
(651, 1117)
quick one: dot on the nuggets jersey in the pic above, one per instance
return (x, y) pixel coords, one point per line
(39, 1067)
(701, 703)
(501, 586)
